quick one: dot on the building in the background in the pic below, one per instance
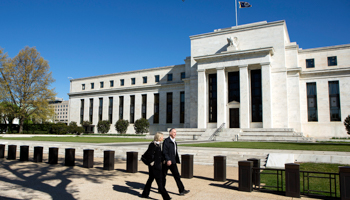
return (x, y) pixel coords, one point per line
(61, 109)
(243, 77)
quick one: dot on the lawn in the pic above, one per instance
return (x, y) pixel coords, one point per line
(276, 145)
(80, 139)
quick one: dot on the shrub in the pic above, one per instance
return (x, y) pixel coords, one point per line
(141, 125)
(74, 128)
(121, 126)
(86, 123)
(103, 126)
(347, 124)
(59, 128)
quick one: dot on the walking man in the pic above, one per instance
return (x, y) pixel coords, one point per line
(171, 157)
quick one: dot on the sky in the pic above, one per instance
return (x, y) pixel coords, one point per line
(82, 38)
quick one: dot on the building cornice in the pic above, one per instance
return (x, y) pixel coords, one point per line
(312, 72)
(330, 48)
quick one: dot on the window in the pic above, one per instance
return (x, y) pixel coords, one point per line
(332, 61)
(156, 77)
(144, 79)
(144, 106)
(334, 100)
(101, 84)
(81, 111)
(212, 98)
(169, 107)
(256, 95)
(233, 87)
(91, 110)
(312, 102)
(132, 108)
(183, 75)
(121, 82)
(100, 109)
(121, 105)
(83, 86)
(182, 107)
(156, 109)
(132, 81)
(92, 85)
(110, 110)
(170, 77)
(310, 63)
(111, 83)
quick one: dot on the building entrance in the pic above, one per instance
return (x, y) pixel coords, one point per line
(234, 117)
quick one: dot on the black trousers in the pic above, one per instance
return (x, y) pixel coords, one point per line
(176, 174)
(158, 178)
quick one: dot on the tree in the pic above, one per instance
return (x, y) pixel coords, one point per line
(25, 82)
(103, 126)
(141, 125)
(347, 124)
(121, 126)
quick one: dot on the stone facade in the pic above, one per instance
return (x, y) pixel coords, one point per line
(276, 98)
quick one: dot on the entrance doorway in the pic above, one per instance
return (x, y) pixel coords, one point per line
(234, 117)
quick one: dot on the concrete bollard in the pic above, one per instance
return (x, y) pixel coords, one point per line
(219, 168)
(256, 173)
(2, 151)
(11, 152)
(108, 160)
(69, 159)
(131, 161)
(24, 153)
(245, 169)
(88, 158)
(38, 154)
(344, 180)
(187, 166)
(53, 155)
(292, 173)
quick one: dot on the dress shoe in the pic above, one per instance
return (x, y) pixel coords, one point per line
(184, 192)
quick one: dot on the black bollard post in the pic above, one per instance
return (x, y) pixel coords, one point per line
(187, 166)
(2, 151)
(88, 158)
(219, 168)
(69, 159)
(24, 153)
(131, 161)
(344, 180)
(108, 160)
(256, 173)
(245, 169)
(11, 152)
(38, 154)
(292, 173)
(53, 155)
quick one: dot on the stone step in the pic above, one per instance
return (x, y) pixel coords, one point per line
(285, 134)
(267, 129)
(189, 130)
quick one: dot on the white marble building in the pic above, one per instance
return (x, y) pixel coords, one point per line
(249, 76)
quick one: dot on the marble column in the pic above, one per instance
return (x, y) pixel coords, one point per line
(244, 110)
(266, 94)
(221, 96)
(202, 99)
(138, 106)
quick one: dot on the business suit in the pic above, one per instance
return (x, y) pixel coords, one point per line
(172, 155)
(154, 153)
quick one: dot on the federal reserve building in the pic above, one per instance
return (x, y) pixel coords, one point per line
(249, 81)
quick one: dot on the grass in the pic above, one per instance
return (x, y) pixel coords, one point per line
(316, 184)
(276, 145)
(81, 139)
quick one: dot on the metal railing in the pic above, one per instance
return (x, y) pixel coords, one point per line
(279, 178)
(213, 136)
(332, 177)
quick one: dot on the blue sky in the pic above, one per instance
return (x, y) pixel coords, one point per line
(88, 38)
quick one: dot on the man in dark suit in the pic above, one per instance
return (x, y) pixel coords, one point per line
(171, 157)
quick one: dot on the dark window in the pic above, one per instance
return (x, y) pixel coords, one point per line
(233, 87)
(170, 77)
(169, 107)
(144, 79)
(332, 61)
(310, 63)
(101, 84)
(183, 75)
(83, 86)
(212, 98)
(92, 85)
(121, 105)
(110, 110)
(81, 111)
(121, 82)
(91, 109)
(156, 109)
(100, 109)
(256, 95)
(144, 106)
(182, 107)
(312, 102)
(132, 81)
(334, 100)
(132, 108)
(111, 83)
(156, 77)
